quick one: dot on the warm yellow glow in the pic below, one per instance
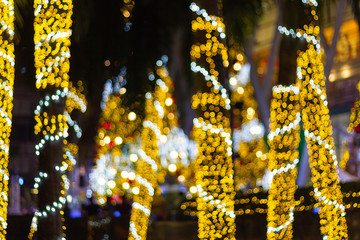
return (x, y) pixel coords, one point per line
(172, 168)
(237, 66)
(122, 91)
(111, 184)
(124, 174)
(193, 189)
(133, 157)
(132, 116)
(126, 185)
(131, 176)
(135, 190)
(7, 71)
(318, 134)
(181, 178)
(107, 140)
(168, 102)
(233, 81)
(118, 140)
(214, 166)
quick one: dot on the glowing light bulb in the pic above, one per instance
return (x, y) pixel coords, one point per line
(126, 185)
(163, 139)
(240, 90)
(172, 167)
(136, 190)
(111, 184)
(237, 66)
(181, 178)
(168, 102)
(118, 140)
(174, 154)
(107, 140)
(193, 189)
(232, 81)
(124, 174)
(133, 157)
(131, 176)
(132, 116)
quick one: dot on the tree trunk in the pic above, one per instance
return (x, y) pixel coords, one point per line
(214, 168)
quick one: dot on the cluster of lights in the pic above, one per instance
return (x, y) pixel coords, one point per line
(285, 138)
(249, 146)
(355, 114)
(160, 151)
(250, 203)
(126, 11)
(7, 72)
(214, 167)
(318, 132)
(118, 131)
(52, 41)
(146, 169)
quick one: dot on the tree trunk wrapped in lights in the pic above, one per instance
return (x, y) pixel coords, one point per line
(52, 41)
(7, 72)
(147, 167)
(318, 133)
(214, 173)
(315, 114)
(284, 140)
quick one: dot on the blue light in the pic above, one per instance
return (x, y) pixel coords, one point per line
(316, 210)
(117, 214)
(21, 181)
(75, 213)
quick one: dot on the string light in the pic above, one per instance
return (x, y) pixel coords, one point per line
(214, 168)
(255, 201)
(284, 139)
(126, 11)
(53, 113)
(318, 131)
(147, 167)
(7, 62)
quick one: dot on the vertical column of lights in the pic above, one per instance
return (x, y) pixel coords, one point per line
(167, 109)
(318, 132)
(7, 62)
(284, 139)
(248, 133)
(149, 163)
(214, 174)
(74, 100)
(126, 11)
(52, 41)
(117, 126)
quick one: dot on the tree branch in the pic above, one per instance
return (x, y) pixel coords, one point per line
(268, 83)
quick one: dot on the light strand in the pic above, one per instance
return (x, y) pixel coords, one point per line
(7, 75)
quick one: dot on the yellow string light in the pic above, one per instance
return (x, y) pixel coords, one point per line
(147, 167)
(7, 62)
(318, 132)
(284, 140)
(214, 167)
(52, 41)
